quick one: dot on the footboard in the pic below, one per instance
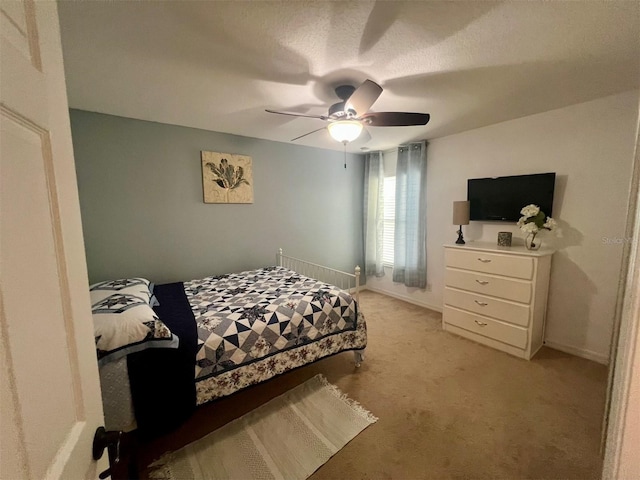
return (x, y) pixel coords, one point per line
(343, 280)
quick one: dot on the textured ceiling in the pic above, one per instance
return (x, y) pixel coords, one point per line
(217, 65)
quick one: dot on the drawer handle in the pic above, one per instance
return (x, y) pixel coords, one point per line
(482, 324)
(482, 304)
(484, 260)
(482, 282)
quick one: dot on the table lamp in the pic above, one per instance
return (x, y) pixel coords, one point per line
(460, 217)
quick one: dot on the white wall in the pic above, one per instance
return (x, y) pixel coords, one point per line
(590, 147)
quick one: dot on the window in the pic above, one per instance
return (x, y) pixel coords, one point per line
(389, 218)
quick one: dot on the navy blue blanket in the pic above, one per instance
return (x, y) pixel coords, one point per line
(162, 379)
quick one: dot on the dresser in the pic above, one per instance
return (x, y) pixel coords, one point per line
(497, 296)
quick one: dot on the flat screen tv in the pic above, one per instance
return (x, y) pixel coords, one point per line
(500, 199)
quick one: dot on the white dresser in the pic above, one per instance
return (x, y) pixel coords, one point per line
(497, 296)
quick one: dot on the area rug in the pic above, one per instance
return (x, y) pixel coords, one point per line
(288, 438)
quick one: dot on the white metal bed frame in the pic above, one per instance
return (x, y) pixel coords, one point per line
(343, 280)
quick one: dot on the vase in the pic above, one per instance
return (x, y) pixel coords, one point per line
(531, 242)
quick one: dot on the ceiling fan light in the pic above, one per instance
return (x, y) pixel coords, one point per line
(345, 130)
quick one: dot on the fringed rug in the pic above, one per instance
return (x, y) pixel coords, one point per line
(288, 438)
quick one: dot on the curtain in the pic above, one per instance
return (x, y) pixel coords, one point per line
(409, 243)
(373, 227)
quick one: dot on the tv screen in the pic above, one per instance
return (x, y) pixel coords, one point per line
(501, 198)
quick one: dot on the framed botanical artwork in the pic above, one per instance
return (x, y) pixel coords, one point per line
(226, 178)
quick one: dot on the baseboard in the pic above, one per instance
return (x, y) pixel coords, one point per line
(578, 352)
(404, 298)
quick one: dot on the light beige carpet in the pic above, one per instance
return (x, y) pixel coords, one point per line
(449, 408)
(289, 437)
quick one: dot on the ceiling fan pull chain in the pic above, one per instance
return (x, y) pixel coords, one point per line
(345, 154)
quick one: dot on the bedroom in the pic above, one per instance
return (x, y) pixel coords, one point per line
(485, 113)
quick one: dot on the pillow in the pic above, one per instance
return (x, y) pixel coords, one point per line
(123, 320)
(140, 287)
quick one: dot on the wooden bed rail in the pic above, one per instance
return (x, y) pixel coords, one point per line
(343, 280)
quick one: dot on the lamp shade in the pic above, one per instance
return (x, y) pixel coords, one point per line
(461, 213)
(345, 130)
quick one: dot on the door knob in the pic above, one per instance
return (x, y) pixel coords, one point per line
(111, 441)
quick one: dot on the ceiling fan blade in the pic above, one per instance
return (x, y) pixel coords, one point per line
(314, 131)
(294, 114)
(364, 96)
(394, 119)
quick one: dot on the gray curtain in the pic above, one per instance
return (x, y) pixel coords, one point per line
(410, 255)
(373, 227)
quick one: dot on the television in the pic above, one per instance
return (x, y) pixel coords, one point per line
(500, 199)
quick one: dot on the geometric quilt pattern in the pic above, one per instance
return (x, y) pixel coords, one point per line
(247, 316)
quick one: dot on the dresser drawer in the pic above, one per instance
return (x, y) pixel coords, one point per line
(508, 265)
(509, 334)
(510, 289)
(492, 307)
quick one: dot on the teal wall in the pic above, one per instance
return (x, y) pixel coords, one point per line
(140, 189)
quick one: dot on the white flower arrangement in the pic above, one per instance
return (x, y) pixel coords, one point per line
(533, 220)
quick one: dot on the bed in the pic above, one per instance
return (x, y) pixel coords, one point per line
(233, 331)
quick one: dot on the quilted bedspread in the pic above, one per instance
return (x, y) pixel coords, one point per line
(254, 325)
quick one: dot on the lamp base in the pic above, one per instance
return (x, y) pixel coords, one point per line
(460, 240)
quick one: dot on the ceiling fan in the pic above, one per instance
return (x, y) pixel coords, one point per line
(348, 117)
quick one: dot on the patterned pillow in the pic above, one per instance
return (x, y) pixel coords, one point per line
(140, 287)
(123, 320)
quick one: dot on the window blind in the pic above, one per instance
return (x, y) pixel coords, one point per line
(389, 216)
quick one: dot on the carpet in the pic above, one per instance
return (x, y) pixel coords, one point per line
(289, 437)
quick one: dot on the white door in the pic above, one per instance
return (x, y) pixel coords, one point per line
(50, 393)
